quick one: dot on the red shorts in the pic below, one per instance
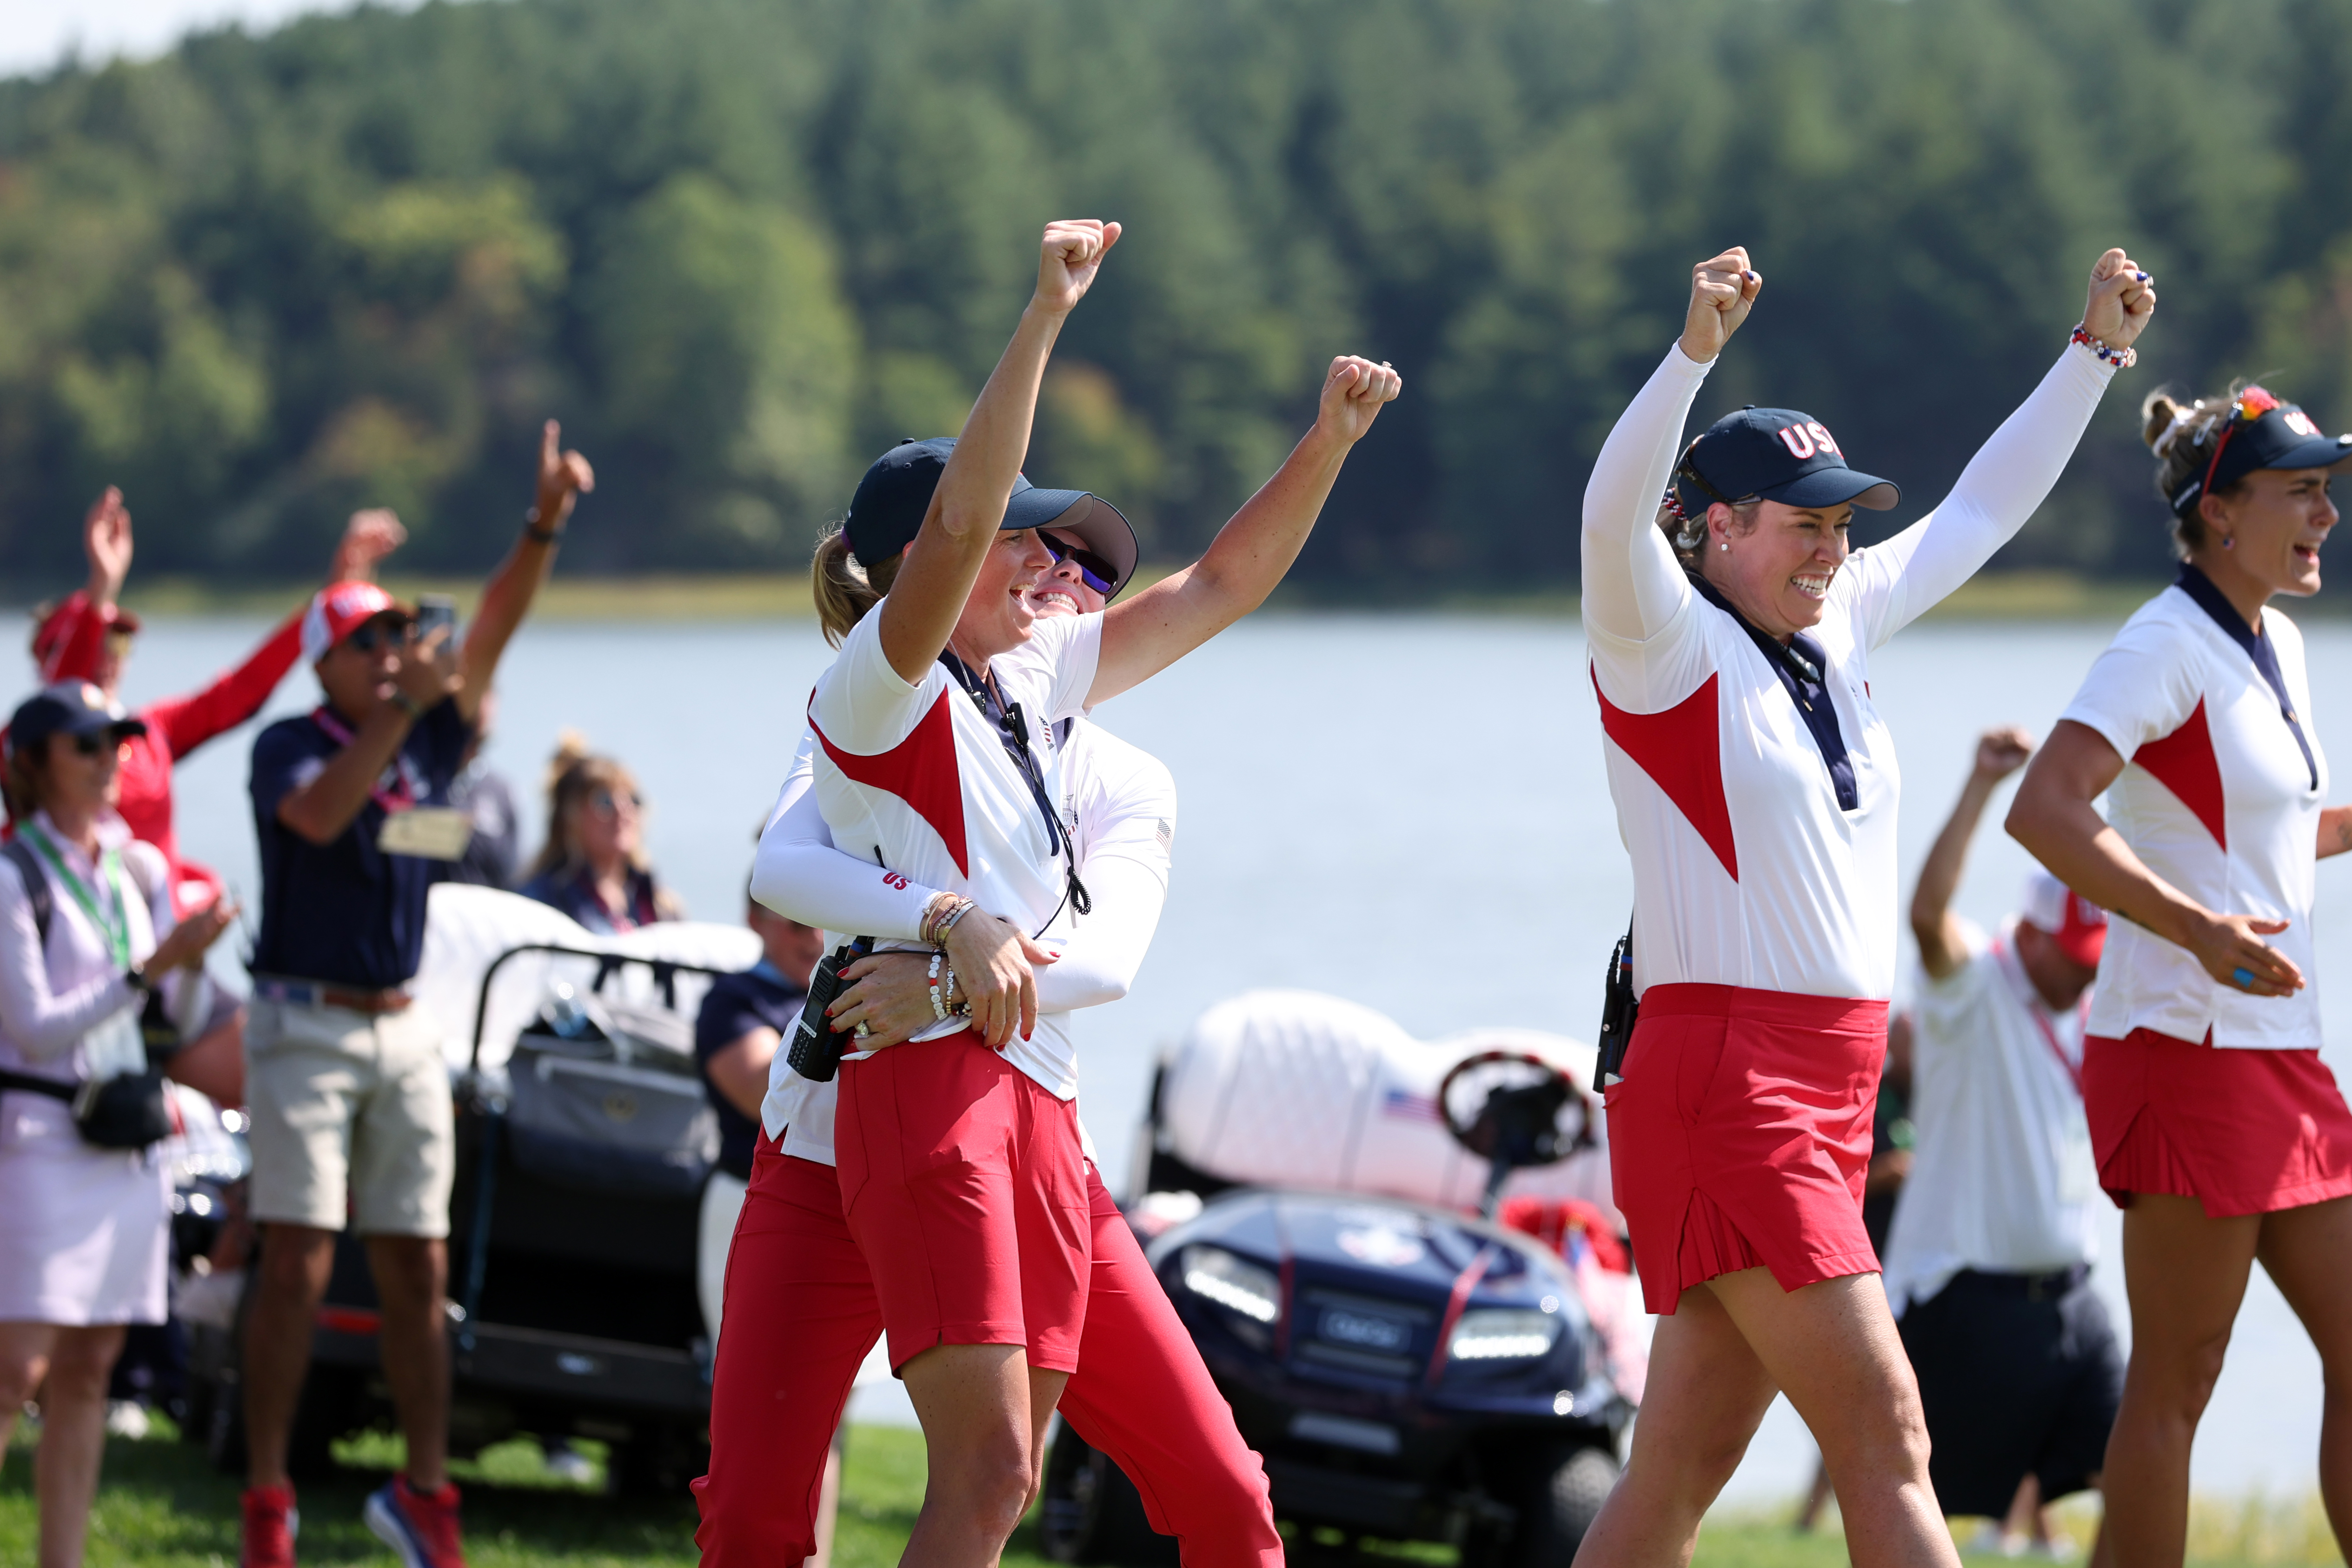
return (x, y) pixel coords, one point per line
(1739, 1136)
(802, 1315)
(965, 1187)
(2241, 1132)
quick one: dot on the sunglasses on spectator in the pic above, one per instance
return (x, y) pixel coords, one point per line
(1093, 569)
(97, 742)
(608, 803)
(381, 632)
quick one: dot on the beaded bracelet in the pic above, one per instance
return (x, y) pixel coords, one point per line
(939, 1004)
(961, 1009)
(2122, 359)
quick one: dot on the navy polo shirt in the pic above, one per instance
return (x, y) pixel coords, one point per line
(346, 912)
(735, 1005)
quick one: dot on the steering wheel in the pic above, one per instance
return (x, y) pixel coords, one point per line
(1508, 1107)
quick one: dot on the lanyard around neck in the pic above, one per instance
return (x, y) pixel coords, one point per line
(2032, 998)
(403, 772)
(114, 930)
(1803, 671)
(1012, 728)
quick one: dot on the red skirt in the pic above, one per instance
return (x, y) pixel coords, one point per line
(1739, 1136)
(2241, 1132)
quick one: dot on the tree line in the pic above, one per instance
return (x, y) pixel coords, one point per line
(740, 245)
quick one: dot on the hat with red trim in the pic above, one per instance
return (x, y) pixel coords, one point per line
(339, 609)
(2260, 433)
(2078, 926)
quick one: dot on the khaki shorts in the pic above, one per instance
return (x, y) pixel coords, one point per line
(351, 1118)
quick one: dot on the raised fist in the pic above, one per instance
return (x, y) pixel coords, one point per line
(2122, 301)
(1723, 291)
(1070, 255)
(367, 538)
(2000, 753)
(1352, 395)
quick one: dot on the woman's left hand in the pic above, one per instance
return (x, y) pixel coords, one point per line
(1353, 394)
(891, 996)
(2122, 301)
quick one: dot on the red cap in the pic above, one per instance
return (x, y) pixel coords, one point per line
(56, 634)
(2078, 926)
(337, 611)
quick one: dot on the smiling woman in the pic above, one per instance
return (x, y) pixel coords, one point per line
(1756, 787)
(2218, 1130)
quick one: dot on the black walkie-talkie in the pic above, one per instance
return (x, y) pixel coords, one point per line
(817, 1045)
(1619, 1011)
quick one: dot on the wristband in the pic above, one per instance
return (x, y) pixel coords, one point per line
(532, 529)
(2122, 359)
(407, 704)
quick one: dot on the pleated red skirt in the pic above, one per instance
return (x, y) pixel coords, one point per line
(2242, 1131)
(1739, 1136)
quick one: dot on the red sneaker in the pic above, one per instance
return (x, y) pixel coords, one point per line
(421, 1527)
(271, 1523)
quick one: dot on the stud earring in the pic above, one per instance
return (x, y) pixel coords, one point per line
(1725, 547)
(2229, 542)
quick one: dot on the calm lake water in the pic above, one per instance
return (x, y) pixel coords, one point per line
(1408, 810)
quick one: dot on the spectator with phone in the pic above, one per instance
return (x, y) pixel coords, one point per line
(87, 931)
(346, 1086)
(594, 865)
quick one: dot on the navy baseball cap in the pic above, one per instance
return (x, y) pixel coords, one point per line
(1775, 453)
(2260, 433)
(887, 510)
(69, 708)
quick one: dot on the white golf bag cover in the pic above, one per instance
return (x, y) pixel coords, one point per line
(1298, 1088)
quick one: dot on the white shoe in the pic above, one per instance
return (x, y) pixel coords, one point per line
(126, 1418)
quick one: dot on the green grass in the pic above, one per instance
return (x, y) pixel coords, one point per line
(163, 1506)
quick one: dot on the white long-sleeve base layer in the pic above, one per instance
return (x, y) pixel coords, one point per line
(1746, 871)
(1120, 802)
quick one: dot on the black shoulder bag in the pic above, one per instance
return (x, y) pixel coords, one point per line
(129, 1110)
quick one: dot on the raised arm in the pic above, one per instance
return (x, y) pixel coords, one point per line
(2014, 472)
(2000, 753)
(968, 507)
(1146, 633)
(563, 477)
(2054, 818)
(1633, 585)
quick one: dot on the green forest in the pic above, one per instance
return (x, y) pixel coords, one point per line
(740, 245)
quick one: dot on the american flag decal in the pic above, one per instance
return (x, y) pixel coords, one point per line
(1406, 1106)
(1167, 834)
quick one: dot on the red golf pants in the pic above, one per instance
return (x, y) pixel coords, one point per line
(802, 1315)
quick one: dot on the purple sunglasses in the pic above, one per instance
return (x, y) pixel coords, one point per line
(1093, 569)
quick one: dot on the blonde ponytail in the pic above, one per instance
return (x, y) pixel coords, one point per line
(844, 590)
(2180, 436)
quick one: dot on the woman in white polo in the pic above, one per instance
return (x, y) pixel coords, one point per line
(2218, 1128)
(1756, 789)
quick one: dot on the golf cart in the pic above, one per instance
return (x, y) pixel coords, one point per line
(584, 1140)
(1409, 1370)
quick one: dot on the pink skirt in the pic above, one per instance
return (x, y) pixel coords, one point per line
(2241, 1132)
(1739, 1136)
